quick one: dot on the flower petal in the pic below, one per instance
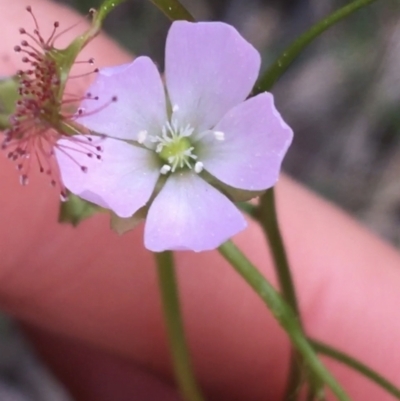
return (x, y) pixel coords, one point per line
(209, 69)
(255, 141)
(122, 181)
(190, 214)
(140, 104)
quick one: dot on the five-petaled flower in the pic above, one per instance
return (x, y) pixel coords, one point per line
(180, 150)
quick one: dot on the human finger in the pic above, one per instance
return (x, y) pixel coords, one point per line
(61, 279)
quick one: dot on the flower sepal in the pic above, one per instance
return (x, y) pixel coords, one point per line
(122, 225)
(75, 209)
(234, 194)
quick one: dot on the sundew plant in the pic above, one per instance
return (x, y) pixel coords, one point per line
(193, 152)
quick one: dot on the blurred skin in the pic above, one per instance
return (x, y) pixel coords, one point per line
(89, 299)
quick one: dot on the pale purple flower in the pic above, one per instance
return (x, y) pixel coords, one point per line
(164, 144)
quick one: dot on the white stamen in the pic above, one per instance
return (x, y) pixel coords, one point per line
(166, 168)
(188, 153)
(175, 108)
(198, 167)
(219, 135)
(142, 135)
(187, 131)
(171, 135)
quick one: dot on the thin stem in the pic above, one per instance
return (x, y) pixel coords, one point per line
(356, 365)
(71, 52)
(268, 216)
(269, 222)
(282, 63)
(173, 9)
(173, 318)
(284, 315)
(106, 7)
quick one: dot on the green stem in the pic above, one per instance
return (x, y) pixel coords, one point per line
(269, 222)
(173, 318)
(267, 215)
(173, 9)
(283, 314)
(106, 7)
(69, 54)
(282, 63)
(356, 365)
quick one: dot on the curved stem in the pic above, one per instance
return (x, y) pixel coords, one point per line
(105, 8)
(176, 336)
(173, 9)
(71, 52)
(282, 63)
(356, 365)
(284, 315)
(268, 216)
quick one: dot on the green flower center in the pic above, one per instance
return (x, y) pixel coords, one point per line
(175, 148)
(176, 145)
(178, 152)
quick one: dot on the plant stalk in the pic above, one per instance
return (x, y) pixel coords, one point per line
(173, 318)
(285, 317)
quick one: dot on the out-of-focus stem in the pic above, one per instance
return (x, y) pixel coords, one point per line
(173, 318)
(276, 70)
